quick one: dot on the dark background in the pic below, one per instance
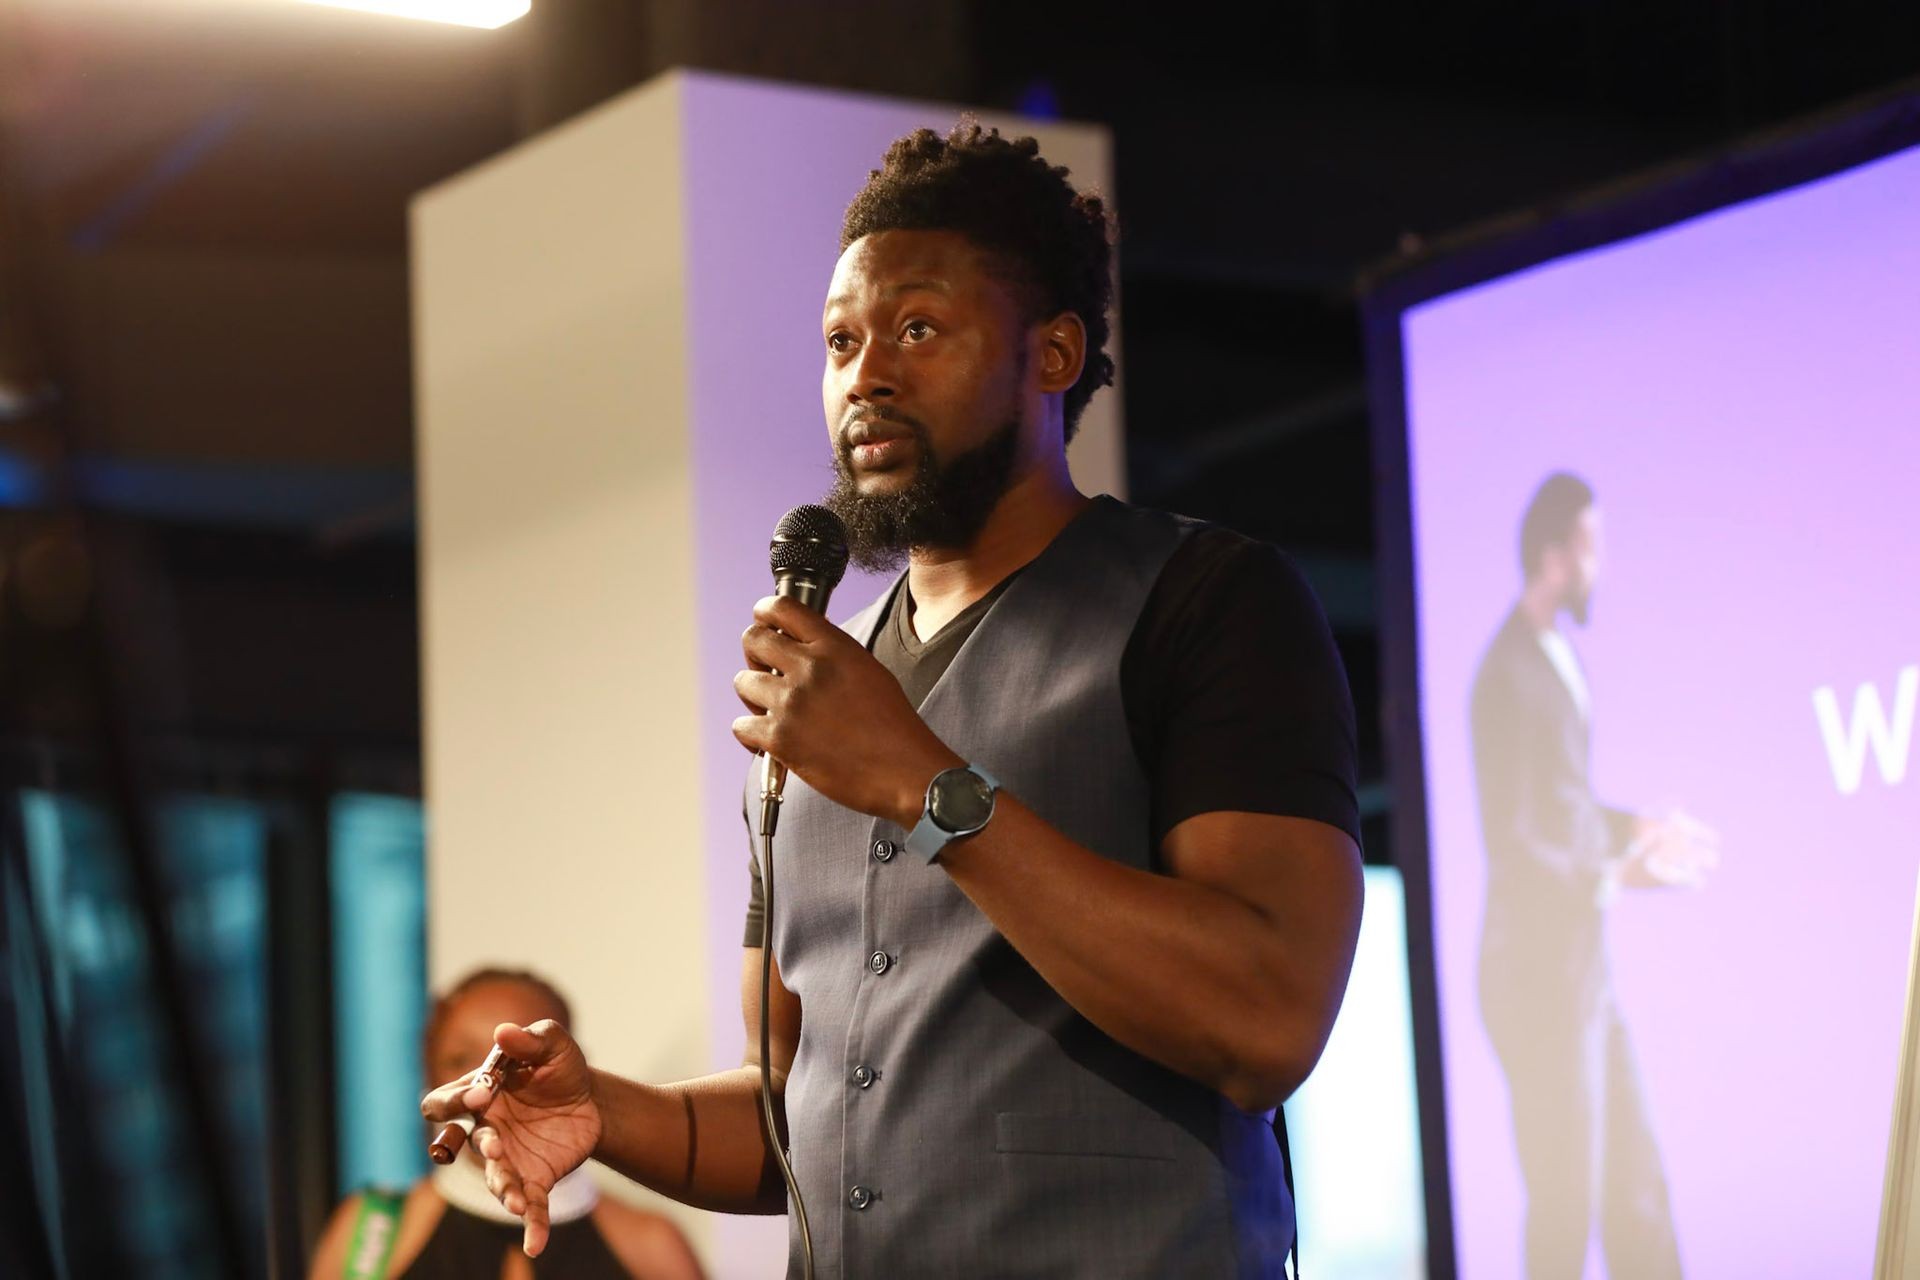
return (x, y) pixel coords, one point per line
(207, 569)
(204, 260)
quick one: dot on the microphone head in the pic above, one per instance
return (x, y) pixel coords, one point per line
(810, 540)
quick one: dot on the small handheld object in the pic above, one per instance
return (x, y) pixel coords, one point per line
(453, 1135)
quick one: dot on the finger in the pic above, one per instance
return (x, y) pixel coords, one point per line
(758, 689)
(1694, 828)
(789, 615)
(503, 1181)
(533, 1044)
(448, 1102)
(753, 732)
(765, 647)
(534, 1238)
(488, 1142)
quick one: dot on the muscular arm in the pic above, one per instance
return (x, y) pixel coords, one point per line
(1229, 970)
(701, 1141)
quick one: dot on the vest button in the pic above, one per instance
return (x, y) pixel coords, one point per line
(883, 850)
(860, 1197)
(879, 962)
(863, 1075)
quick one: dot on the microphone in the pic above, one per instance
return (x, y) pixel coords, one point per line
(808, 556)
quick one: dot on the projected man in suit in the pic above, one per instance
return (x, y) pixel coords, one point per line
(1556, 857)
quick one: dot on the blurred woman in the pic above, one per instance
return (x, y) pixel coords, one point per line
(449, 1226)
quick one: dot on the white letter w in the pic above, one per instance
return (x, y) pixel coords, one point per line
(1847, 746)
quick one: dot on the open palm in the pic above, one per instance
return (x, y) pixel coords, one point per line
(539, 1126)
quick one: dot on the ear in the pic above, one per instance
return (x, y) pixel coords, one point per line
(1556, 562)
(1063, 352)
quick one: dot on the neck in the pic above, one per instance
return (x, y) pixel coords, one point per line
(1540, 606)
(1032, 512)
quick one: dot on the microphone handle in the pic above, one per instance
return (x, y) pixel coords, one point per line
(813, 593)
(804, 587)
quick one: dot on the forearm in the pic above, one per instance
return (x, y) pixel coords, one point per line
(1190, 976)
(699, 1141)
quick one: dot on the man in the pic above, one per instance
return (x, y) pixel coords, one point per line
(1556, 857)
(1041, 1029)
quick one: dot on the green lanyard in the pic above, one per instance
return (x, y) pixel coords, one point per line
(373, 1235)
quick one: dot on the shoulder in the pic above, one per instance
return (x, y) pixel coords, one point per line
(330, 1256)
(419, 1213)
(647, 1244)
(1509, 659)
(1219, 581)
(1214, 558)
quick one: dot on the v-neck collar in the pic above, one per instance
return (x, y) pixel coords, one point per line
(865, 626)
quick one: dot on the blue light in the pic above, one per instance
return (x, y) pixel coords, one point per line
(1039, 101)
(378, 873)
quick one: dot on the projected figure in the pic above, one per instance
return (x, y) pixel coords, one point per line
(1556, 857)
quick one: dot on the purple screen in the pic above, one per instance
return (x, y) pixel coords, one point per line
(1742, 393)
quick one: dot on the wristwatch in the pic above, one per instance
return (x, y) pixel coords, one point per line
(959, 802)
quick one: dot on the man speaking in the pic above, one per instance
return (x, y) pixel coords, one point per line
(1068, 862)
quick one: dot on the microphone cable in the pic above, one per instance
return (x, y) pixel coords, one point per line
(808, 556)
(769, 819)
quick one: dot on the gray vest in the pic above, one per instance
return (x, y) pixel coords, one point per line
(950, 1114)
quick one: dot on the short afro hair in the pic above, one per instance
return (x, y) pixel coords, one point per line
(1055, 244)
(1551, 515)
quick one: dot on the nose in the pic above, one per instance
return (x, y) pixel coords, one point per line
(874, 374)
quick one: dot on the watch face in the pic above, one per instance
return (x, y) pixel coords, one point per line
(961, 801)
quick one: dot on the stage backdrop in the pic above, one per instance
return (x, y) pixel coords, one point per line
(1740, 390)
(617, 363)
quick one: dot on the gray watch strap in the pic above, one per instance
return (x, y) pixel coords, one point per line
(928, 837)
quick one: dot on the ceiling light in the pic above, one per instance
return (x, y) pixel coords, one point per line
(467, 13)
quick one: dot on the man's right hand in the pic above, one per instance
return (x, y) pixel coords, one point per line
(540, 1125)
(1674, 851)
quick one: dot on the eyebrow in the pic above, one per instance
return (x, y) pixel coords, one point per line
(894, 291)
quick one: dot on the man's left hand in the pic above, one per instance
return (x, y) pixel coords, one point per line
(825, 707)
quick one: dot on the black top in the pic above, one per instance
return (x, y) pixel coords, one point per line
(1234, 692)
(466, 1247)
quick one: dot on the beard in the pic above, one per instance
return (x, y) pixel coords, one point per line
(1580, 608)
(946, 505)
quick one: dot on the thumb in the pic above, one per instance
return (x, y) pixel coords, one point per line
(532, 1044)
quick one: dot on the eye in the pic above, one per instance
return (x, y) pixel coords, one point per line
(839, 342)
(917, 331)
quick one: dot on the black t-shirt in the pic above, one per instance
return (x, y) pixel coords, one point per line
(1234, 693)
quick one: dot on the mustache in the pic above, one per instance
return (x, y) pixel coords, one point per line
(874, 414)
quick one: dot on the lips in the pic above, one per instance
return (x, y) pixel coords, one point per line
(880, 452)
(875, 444)
(867, 432)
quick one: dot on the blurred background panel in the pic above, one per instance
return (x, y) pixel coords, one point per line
(1355, 1125)
(377, 868)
